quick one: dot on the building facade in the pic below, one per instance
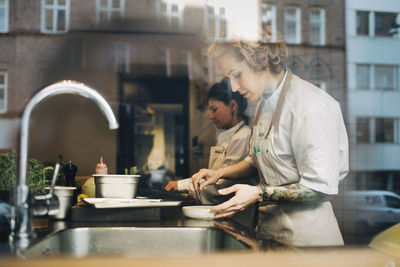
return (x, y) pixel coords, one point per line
(373, 72)
(109, 44)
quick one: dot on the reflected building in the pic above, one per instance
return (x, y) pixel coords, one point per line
(373, 60)
(140, 55)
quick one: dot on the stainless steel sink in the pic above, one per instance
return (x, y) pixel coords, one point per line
(135, 242)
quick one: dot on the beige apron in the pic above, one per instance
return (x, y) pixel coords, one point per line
(210, 195)
(292, 224)
(218, 153)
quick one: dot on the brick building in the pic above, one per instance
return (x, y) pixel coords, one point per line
(121, 47)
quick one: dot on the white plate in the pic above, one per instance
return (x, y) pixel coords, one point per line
(104, 203)
(198, 212)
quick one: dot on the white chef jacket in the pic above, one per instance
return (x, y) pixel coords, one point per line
(236, 141)
(311, 136)
(308, 146)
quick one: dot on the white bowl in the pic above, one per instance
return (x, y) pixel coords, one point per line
(198, 212)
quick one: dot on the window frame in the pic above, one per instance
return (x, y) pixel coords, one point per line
(368, 22)
(372, 130)
(395, 71)
(55, 7)
(372, 77)
(169, 14)
(297, 38)
(217, 20)
(322, 26)
(109, 10)
(6, 16)
(371, 24)
(273, 21)
(4, 87)
(377, 34)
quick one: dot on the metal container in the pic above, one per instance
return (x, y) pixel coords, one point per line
(65, 196)
(116, 186)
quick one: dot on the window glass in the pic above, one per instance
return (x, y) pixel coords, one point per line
(292, 21)
(384, 130)
(317, 25)
(56, 16)
(3, 92)
(363, 76)
(362, 23)
(385, 77)
(116, 3)
(384, 23)
(4, 16)
(268, 22)
(172, 13)
(392, 202)
(49, 19)
(108, 10)
(363, 130)
(222, 29)
(217, 25)
(61, 20)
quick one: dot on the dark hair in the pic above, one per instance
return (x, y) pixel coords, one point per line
(222, 91)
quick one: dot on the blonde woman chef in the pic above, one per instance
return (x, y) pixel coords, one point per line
(298, 146)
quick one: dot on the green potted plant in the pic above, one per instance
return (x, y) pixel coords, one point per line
(39, 175)
(8, 170)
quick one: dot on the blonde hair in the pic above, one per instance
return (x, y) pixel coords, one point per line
(258, 55)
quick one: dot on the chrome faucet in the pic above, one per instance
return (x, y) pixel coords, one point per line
(22, 211)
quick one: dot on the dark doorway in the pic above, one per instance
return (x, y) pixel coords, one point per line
(154, 123)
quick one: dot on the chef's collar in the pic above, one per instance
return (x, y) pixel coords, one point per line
(225, 134)
(266, 94)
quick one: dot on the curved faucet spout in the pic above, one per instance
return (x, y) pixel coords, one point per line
(63, 87)
(22, 223)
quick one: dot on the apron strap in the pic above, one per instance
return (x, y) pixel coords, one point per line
(278, 110)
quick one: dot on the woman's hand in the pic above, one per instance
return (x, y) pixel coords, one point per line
(205, 177)
(245, 195)
(172, 186)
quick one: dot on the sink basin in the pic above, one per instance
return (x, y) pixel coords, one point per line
(134, 242)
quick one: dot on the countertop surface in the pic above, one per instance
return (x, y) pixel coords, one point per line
(259, 255)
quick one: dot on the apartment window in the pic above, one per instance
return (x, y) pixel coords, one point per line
(362, 23)
(385, 23)
(292, 28)
(3, 91)
(55, 16)
(384, 130)
(217, 24)
(317, 27)
(4, 7)
(109, 10)
(377, 130)
(363, 129)
(268, 22)
(172, 12)
(385, 77)
(363, 76)
(377, 77)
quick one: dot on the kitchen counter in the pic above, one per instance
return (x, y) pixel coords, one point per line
(259, 255)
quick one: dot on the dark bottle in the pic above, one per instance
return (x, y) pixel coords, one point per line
(70, 172)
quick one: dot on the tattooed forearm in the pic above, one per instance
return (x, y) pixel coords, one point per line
(290, 193)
